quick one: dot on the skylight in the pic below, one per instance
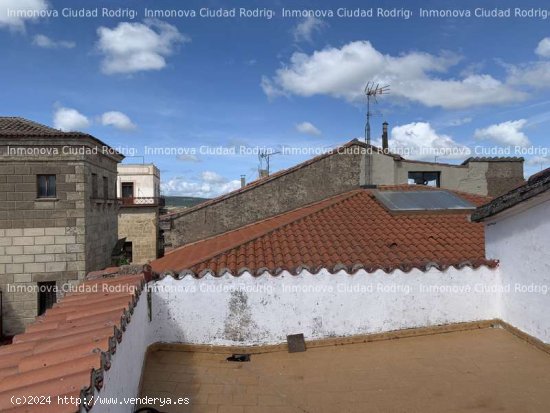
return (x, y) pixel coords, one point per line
(406, 201)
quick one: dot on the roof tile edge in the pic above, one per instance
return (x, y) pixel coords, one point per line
(350, 269)
(97, 375)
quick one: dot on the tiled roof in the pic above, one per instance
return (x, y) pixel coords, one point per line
(16, 127)
(13, 126)
(63, 351)
(493, 159)
(272, 177)
(535, 185)
(351, 230)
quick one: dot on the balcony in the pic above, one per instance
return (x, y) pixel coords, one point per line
(145, 201)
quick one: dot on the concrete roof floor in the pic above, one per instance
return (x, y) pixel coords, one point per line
(484, 370)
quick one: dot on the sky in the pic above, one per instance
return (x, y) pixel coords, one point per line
(201, 96)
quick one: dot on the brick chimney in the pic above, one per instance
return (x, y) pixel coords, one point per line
(385, 136)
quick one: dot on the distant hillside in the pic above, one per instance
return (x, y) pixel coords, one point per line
(182, 201)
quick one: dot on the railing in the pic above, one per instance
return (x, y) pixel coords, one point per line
(142, 201)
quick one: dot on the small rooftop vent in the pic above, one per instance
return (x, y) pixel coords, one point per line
(411, 201)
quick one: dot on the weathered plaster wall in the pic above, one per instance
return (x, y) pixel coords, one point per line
(251, 311)
(520, 238)
(123, 378)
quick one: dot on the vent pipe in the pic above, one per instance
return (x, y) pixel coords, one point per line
(243, 181)
(385, 136)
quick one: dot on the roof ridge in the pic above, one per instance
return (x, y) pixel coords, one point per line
(334, 202)
(276, 175)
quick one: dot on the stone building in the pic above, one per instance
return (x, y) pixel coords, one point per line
(337, 171)
(138, 187)
(58, 214)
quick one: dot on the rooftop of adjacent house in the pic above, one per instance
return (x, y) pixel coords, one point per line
(58, 353)
(337, 150)
(352, 230)
(17, 127)
(535, 186)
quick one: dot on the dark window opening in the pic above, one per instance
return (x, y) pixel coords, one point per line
(425, 178)
(105, 188)
(127, 190)
(128, 251)
(94, 185)
(45, 186)
(46, 296)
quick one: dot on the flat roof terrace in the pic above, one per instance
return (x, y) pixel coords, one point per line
(483, 370)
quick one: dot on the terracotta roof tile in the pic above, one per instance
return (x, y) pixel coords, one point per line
(57, 353)
(350, 229)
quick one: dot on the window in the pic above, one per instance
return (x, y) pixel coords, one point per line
(94, 186)
(105, 188)
(425, 178)
(127, 190)
(128, 251)
(46, 296)
(45, 186)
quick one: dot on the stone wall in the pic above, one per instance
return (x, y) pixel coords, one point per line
(46, 239)
(139, 225)
(329, 176)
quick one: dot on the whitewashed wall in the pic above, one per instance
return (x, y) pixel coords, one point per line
(521, 241)
(253, 311)
(122, 379)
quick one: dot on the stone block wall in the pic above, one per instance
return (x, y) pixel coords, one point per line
(139, 225)
(29, 256)
(59, 239)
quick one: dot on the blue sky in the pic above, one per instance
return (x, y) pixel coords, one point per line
(187, 84)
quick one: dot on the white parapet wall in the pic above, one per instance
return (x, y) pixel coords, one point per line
(520, 239)
(263, 310)
(121, 382)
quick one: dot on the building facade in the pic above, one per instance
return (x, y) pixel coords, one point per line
(138, 188)
(350, 166)
(58, 214)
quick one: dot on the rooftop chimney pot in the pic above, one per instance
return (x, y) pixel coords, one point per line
(385, 136)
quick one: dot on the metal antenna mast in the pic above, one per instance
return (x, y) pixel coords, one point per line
(265, 155)
(373, 90)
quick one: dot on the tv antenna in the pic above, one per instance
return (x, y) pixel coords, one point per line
(264, 156)
(373, 90)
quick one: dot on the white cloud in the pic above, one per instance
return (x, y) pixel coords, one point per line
(14, 13)
(208, 185)
(306, 28)
(68, 119)
(505, 133)
(459, 121)
(188, 158)
(543, 48)
(308, 129)
(534, 74)
(418, 140)
(342, 73)
(538, 161)
(41, 40)
(118, 120)
(133, 47)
